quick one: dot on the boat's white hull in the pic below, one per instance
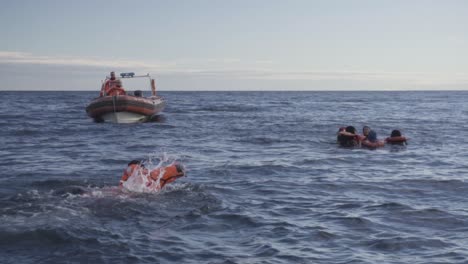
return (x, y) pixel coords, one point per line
(124, 108)
(124, 117)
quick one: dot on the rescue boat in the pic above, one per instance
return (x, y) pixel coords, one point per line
(116, 105)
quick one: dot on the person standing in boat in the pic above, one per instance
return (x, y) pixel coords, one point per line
(111, 84)
(105, 88)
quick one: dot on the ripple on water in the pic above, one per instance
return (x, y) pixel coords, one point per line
(408, 244)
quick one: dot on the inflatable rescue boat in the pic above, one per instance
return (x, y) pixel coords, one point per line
(118, 106)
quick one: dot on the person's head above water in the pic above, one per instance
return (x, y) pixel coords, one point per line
(351, 129)
(137, 162)
(365, 130)
(348, 137)
(395, 133)
(372, 136)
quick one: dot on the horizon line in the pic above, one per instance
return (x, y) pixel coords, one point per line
(271, 90)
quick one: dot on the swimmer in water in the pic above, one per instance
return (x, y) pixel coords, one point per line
(170, 173)
(348, 138)
(396, 138)
(371, 141)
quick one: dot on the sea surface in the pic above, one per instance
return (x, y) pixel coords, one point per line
(266, 182)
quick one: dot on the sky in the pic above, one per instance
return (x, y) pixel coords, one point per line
(236, 45)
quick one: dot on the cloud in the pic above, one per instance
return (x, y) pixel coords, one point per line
(236, 69)
(28, 58)
(181, 66)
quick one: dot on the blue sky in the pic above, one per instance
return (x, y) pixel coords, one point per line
(236, 45)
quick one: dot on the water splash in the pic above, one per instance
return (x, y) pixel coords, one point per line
(141, 182)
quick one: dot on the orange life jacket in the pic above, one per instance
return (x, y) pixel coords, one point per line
(396, 140)
(116, 91)
(171, 173)
(110, 88)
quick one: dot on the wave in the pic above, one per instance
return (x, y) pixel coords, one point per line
(283, 141)
(27, 132)
(392, 206)
(259, 140)
(38, 237)
(238, 108)
(399, 243)
(57, 183)
(436, 182)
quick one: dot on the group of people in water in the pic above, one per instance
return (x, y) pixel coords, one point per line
(348, 137)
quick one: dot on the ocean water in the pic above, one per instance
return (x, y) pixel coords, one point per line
(266, 182)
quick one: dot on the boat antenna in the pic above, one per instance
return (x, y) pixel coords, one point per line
(153, 87)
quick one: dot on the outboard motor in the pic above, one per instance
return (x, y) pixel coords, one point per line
(138, 93)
